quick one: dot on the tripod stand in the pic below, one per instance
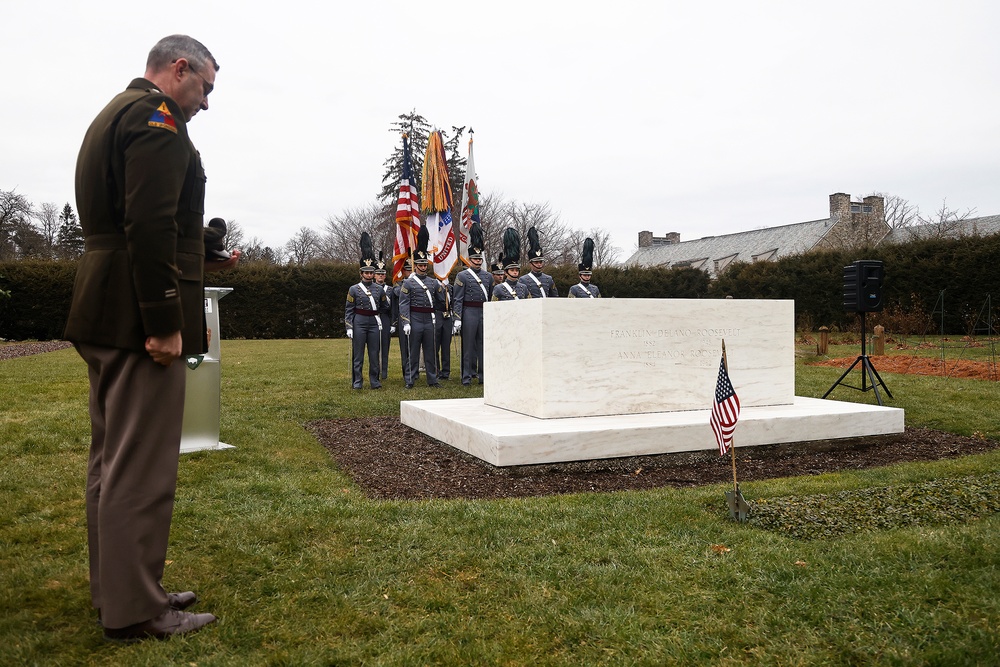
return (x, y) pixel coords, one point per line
(867, 371)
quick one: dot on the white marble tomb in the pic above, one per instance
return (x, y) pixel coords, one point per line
(584, 379)
(587, 357)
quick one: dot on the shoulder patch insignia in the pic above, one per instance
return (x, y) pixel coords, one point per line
(162, 118)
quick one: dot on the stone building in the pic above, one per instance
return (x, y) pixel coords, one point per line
(850, 223)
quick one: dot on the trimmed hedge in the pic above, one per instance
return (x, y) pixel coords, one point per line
(308, 302)
(915, 275)
(40, 294)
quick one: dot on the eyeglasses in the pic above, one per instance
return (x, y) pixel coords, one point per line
(206, 87)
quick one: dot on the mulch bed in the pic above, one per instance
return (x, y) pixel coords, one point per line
(14, 350)
(914, 365)
(393, 461)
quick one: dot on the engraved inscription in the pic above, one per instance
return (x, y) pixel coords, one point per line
(688, 346)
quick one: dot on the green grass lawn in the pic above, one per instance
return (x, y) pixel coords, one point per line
(302, 569)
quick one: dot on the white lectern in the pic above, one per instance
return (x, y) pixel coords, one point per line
(202, 398)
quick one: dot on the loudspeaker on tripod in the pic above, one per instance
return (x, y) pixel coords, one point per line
(863, 286)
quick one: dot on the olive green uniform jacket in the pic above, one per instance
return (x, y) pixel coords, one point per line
(140, 190)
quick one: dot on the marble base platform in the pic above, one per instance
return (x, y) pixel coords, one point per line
(505, 438)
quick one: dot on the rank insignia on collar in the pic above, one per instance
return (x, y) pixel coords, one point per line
(162, 118)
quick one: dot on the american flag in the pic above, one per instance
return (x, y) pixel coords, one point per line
(725, 409)
(407, 216)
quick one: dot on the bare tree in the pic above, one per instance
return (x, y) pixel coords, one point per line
(15, 212)
(945, 223)
(342, 232)
(899, 212)
(303, 247)
(605, 252)
(234, 235)
(553, 234)
(47, 216)
(254, 250)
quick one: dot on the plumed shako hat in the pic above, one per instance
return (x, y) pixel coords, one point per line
(534, 247)
(476, 241)
(587, 258)
(511, 249)
(421, 255)
(367, 252)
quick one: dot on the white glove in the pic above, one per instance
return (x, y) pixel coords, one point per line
(456, 327)
(350, 334)
(392, 330)
(406, 329)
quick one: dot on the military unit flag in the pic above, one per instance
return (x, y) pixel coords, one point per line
(470, 207)
(725, 408)
(407, 215)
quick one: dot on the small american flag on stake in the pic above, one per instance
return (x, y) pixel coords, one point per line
(725, 408)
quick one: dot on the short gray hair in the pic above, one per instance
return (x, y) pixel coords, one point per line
(169, 49)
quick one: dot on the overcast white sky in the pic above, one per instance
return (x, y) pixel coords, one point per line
(703, 118)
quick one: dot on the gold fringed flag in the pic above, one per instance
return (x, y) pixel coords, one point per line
(436, 206)
(725, 408)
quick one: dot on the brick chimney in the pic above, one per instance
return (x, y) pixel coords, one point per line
(645, 239)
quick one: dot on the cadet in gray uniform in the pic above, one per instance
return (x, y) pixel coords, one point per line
(362, 316)
(585, 290)
(540, 285)
(418, 297)
(472, 289)
(442, 338)
(386, 315)
(404, 341)
(510, 288)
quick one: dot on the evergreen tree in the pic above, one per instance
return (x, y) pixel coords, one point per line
(70, 239)
(417, 130)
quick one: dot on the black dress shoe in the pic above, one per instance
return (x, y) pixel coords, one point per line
(169, 623)
(180, 601)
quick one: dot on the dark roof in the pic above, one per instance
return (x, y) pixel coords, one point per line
(984, 226)
(720, 251)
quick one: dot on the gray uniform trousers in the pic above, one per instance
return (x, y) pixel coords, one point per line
(442, 343)
(386, 335)
(472, 344)
(404, 340)
(416, 308)
(468, 308)
(136, 414)
(366, 336)
(422, 334)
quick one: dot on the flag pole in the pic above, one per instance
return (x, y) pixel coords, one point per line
(732, 442)
(413, 240)
(739, 509)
